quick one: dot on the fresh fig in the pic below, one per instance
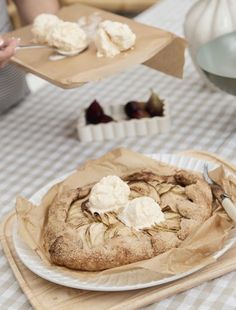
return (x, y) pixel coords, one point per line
(140, 114)
(94, 113)
(133, 106)
(106, 119)
(155, 105)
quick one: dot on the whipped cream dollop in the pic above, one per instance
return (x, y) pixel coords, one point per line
(65, 36)
(112, 38)
(109, 194)
(142, 212)
(68, 37)
(42, 26)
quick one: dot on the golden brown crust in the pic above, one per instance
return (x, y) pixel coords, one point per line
(77, 239)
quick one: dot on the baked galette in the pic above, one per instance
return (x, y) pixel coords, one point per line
(137, 217)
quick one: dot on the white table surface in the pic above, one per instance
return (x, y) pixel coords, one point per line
(38, 143)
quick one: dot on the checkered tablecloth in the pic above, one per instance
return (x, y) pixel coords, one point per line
(38, 142)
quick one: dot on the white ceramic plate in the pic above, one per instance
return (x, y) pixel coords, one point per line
(121, 281)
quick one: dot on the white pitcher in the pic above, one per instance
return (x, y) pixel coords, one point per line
(206, 20)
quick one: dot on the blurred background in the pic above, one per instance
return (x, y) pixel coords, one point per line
(125, 7)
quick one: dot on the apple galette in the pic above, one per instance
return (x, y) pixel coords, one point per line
(121, 220)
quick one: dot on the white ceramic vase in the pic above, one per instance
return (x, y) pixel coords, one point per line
(206, 20)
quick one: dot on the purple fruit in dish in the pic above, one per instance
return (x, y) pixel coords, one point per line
(106, 119)
(155, 105)
(133, 106)
(140, 114)
(94, 113)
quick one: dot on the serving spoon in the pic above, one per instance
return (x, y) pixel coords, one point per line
(58, 51)
(218, 192)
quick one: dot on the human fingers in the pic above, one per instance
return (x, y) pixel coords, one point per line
(7, 51)
(9, 41)
(12, 42)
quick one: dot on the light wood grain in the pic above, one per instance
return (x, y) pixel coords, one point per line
(152, 48)
(45, 295)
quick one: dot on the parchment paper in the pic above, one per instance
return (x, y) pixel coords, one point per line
(196, 250)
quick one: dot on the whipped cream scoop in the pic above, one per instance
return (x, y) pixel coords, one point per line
(42, 26)
(112, 38)
(67, 38)
(142, 212)
(109, 194)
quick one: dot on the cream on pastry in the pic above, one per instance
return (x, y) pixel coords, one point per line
(142, 212)
(109, 194)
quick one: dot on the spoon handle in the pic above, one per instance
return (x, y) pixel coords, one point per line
(229, 207)
(25, 46)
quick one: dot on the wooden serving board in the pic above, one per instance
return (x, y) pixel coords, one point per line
(46, 295)
(155, 48)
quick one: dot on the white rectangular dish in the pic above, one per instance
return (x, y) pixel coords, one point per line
(122, 127)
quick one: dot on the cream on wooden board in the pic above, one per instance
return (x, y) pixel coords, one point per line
(156, 48)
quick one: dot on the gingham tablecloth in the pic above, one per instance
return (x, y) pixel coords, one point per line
(38, 143)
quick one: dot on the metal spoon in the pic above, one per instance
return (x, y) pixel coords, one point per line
(26, 46)
(63, 54)
(58, 51)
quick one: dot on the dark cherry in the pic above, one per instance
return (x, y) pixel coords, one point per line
(133, 106)
(94, 113)
(106, 119)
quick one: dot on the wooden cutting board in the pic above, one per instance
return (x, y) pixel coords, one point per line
(155, 48)
(45, 295)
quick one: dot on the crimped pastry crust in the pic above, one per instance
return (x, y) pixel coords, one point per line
(78, 239)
